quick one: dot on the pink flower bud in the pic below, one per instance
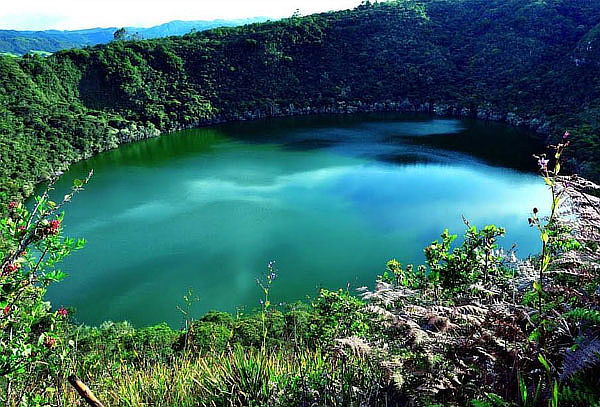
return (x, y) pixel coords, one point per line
(9, 269)
(53, 227)
(49, 342)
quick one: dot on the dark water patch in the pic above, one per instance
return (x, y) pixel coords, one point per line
(307, 144)
(407, 159)
(515, 148)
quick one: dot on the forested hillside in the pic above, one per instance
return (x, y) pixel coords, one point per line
(22, 42)
(527, 62)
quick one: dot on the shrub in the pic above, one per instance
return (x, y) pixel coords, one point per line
(218, 317)
(298, 322)
(339, 315)
(248, 331)
(33, 348)
(155, 342)
(209, 337)
(474, 259)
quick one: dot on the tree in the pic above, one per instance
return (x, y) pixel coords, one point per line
(120, 34)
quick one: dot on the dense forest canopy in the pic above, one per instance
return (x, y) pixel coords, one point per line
(530, 62)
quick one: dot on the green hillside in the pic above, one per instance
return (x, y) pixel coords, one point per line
(529, 63)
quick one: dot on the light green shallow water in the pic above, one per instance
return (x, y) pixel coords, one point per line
(330, 199)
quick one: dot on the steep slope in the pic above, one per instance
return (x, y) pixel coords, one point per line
(513, 60)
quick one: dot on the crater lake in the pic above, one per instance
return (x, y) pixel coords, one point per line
(329, 199)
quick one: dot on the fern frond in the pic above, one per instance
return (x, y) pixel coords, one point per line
(583, 314)
(586, 356)
(357, 345)
(374, 309)
(385, 294)
(576, 397)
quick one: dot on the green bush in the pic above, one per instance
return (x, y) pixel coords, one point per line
(474, 260)
(218, 317)
(299, 321)
(248, 331)
(339, 315)
(33, 346)
(155, 342)
(275, 325)
(209, 337)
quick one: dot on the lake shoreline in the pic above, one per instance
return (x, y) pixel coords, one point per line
(134, 132)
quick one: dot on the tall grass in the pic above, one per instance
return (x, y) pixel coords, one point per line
(241, 376)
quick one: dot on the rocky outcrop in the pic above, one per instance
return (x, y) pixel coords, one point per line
(540, 125)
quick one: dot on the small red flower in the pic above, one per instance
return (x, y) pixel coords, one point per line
(21, 229)
(49, 342)
(53, 227)
(61, 312)
(12, 205)
(6, 310)
(10, 268)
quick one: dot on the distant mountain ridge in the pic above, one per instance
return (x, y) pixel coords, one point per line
(22, 42)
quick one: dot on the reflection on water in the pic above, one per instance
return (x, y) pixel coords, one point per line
(330, 199)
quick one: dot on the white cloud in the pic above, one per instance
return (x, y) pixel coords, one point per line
(77, 14)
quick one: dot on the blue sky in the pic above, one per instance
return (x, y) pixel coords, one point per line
(76, 14)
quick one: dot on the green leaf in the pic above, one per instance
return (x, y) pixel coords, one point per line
(546, 262)
(554, 401)
(523, 390)
(56, 276)
(77, 183)
(544, 362)
(534, 336)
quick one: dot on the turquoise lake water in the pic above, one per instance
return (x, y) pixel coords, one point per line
(329, 198)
